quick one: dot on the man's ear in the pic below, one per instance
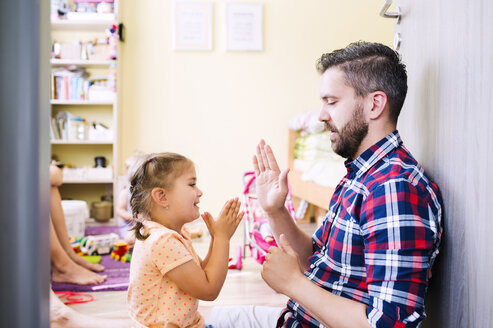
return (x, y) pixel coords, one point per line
(378, 101)
(158, 195)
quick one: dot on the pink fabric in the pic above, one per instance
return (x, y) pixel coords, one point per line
(153, 299)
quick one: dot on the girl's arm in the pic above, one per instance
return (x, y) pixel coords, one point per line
(206, 283)
(204, 262)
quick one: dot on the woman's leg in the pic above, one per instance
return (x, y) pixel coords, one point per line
(66, 270)
(58, 219)
(63, 316)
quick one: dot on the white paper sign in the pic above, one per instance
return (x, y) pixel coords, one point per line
(192, 28)
(244, 26)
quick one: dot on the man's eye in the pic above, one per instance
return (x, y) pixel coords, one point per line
(328, 101)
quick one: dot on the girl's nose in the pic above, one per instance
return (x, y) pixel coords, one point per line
(200, 192)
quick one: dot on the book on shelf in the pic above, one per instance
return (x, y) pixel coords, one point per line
(76, 84)
(69, 84)
(69, 127)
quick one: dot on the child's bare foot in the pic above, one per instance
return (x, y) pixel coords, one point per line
(86, 264)
(76, 274)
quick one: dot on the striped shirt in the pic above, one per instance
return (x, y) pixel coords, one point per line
(379, 238)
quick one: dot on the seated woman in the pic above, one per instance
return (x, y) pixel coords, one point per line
(68, 267)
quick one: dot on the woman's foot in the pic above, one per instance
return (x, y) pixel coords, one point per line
(76, 274)
(86, 264)
(62, 316)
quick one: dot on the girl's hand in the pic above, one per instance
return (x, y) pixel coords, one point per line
(271, 183)
(227, 222)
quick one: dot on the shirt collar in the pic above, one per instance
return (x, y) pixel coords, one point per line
(374, 154)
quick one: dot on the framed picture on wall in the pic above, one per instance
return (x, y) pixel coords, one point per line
(192, 25)
(244, 26)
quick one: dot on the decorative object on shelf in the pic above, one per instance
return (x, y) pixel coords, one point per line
(100, 161)
(94, 6)
(113, 41)
(88, 175)
(101, 211)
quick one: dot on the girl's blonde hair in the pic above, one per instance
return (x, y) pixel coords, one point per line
(156, 171)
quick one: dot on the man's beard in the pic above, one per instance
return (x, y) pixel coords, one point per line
(351, 134)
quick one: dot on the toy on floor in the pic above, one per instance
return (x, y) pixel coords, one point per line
(69, 297)
(98, 244)
(121, 252)
(75, 243)
(238, 264)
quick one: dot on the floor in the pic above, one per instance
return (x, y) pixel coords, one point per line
(241, 286)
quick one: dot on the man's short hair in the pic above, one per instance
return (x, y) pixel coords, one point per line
(371, 67)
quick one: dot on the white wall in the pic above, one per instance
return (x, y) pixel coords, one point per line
(214, 106)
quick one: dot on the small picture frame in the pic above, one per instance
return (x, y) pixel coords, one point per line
(244, 26)
(192, 25)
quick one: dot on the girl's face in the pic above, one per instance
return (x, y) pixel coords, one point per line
(184, 197)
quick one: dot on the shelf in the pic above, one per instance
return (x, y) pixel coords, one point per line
(80, 102)
(81, 63)
(81, 142)
(80, 21)
(87, 181)
(310, 191)
(83, 181)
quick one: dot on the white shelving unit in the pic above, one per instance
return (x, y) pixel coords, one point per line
(82, 102)
(80, 62)
(87, 25)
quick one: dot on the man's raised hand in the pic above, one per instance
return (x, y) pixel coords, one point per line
(271, 183)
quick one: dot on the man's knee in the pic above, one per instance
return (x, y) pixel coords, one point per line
(244, 316)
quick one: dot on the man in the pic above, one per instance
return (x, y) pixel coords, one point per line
(369, 263)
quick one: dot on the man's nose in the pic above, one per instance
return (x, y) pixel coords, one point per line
(324, 115)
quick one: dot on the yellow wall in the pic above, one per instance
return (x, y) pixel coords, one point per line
(214, 106)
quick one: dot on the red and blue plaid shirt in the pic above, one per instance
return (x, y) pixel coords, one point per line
(379, 238)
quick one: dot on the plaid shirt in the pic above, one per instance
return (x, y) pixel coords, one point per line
(379, 238)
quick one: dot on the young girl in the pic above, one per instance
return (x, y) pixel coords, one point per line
(166, 276)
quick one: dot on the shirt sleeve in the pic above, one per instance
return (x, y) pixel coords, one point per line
(168, 251)
(398, 231)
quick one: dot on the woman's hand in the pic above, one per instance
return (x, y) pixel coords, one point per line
(227, 222)
(271, 183)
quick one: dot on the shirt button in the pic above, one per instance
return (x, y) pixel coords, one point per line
(312, 266)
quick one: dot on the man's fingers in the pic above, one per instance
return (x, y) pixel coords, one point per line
(255, 166)
(260, 160)
(270, 158)
(283, 181)
(285, 245)
(264, 156)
